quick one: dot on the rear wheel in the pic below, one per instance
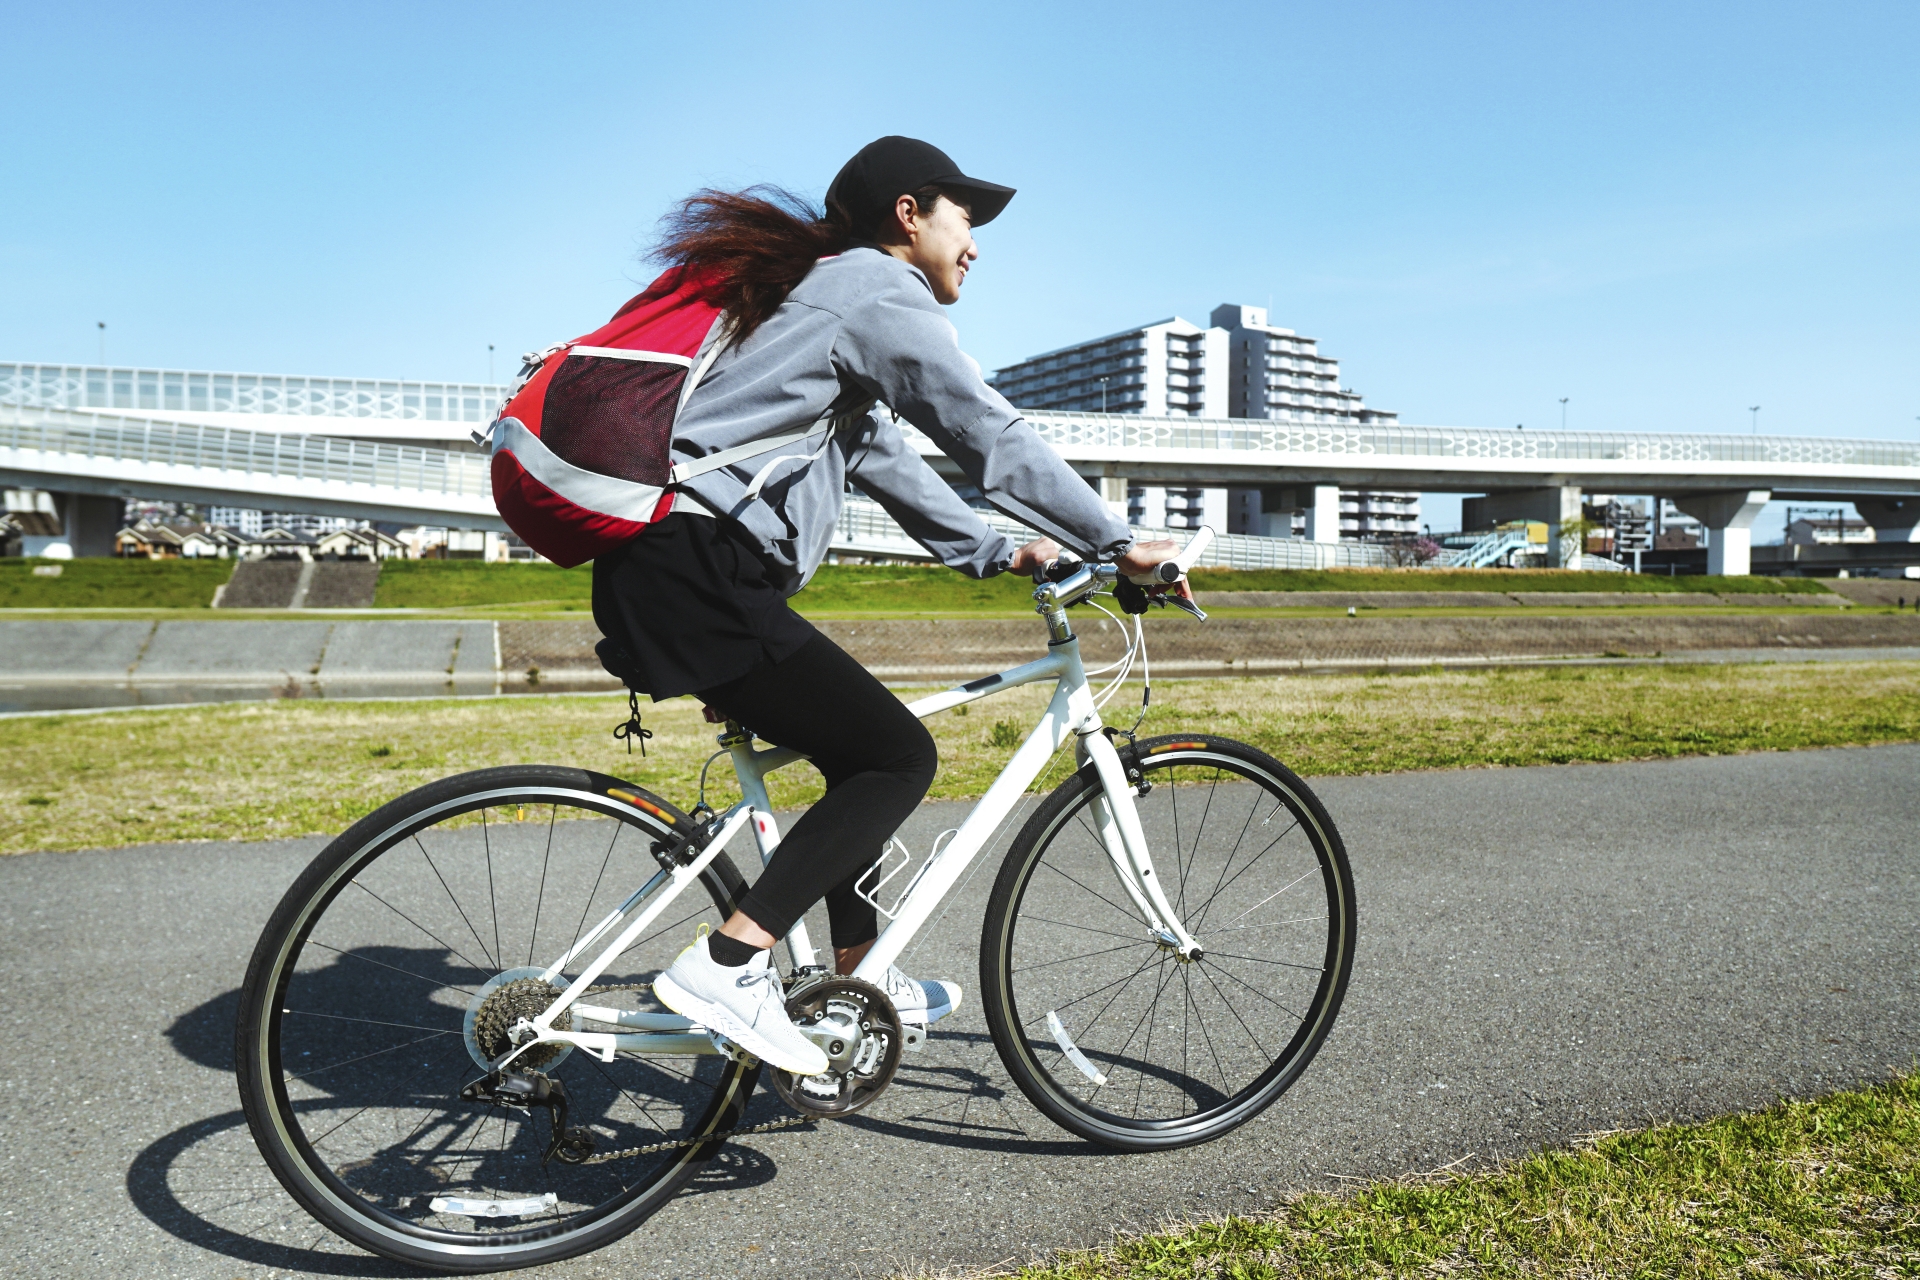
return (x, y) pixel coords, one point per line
(387, 976)
(1109, 1032)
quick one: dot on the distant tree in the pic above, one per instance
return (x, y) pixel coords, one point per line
(1406, 553)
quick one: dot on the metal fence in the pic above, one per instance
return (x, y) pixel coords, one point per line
(103, 439)
(866, 529)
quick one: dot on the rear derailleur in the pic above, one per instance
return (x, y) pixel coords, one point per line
(524, 1090)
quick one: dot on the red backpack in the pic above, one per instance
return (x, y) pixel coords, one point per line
(581, 450)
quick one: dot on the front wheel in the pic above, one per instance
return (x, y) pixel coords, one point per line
(386, 980)
(1112, 1034)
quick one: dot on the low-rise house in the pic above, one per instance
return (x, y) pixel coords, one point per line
(278, 544)
(358, 544)
(153, 540)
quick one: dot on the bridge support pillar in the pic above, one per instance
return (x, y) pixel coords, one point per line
(1729, 517)
(1557, 506)
(1323, 512)
(1893, 519)
(87, 525)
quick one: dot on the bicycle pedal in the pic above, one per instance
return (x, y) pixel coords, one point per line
(731, 1050)
(913, 1037)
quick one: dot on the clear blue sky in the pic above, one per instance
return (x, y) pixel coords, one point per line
(1666, 213)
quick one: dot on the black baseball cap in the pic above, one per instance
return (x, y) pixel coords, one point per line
(888, 168)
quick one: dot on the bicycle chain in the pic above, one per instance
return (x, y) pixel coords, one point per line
(676, 1144)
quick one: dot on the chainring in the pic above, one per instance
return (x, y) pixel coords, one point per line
(870, 1037)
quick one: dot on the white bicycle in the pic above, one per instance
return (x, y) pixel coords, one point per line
(449, 1052)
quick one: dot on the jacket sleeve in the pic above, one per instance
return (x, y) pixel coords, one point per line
(886, 468)
(899, 347)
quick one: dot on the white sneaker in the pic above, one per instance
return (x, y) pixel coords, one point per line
(745, 1005)
(922, 1002)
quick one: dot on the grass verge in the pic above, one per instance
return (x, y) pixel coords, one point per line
(259, 770)
(94, 583)
(1491, 580)
(1829, 1187)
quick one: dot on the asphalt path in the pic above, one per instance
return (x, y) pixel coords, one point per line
(1542, 953)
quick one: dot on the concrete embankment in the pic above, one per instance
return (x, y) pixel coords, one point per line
(47, 665)
(44, 665)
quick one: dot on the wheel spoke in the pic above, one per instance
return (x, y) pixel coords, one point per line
(1246, 849)
(491, 962)
(370, 984)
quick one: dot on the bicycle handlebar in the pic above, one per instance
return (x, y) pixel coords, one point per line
(1166, 573)
(1068, 579)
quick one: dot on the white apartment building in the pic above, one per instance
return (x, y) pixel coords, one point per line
(1170, 368)
(1237, 367)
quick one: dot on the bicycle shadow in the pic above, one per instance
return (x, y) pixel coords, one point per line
(967, 1104)
(206, 1184)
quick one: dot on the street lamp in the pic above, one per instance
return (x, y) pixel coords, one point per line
(1103, 395)
(1563, 413)
(489, 364)
(103, 341)
(1754, 409)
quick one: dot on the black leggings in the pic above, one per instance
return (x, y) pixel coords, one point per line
(878, 761)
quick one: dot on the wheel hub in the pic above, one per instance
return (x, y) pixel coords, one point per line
(516, 995)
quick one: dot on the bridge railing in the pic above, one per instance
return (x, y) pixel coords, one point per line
(111, 440)
(1114, 431)
(56, 386)
(161, 391)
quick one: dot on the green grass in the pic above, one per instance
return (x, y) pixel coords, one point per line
(918, 589)
(1829, 1187)
(835, 591)
(1489, 580)
(457, 584)
(109, 583)
(256, 770)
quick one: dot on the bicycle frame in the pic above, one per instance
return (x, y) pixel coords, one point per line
(1070, 714)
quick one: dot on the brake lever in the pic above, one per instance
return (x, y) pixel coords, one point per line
(1181, 602)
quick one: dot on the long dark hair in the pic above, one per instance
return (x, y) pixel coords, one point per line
(755, 245)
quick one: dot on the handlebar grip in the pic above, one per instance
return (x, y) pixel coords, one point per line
(1171, 571)
(1196, 546)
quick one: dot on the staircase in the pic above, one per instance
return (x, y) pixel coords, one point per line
(299, 584)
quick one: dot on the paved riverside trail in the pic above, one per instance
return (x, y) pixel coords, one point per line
(1543, 952)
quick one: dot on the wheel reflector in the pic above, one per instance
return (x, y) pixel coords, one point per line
(492, 1208)
(1072, 1050)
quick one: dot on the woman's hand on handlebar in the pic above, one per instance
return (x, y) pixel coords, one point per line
(1035, 556)
(1141, 558)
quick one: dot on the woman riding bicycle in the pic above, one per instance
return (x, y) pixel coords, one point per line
(825, 313)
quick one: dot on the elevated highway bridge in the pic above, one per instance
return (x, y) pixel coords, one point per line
(400, 450)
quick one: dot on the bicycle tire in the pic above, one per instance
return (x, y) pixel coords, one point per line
(1076, 1070)
(385, 1217)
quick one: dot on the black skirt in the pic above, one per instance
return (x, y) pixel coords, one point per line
(688, 605)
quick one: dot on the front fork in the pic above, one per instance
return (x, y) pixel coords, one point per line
(1119, 825)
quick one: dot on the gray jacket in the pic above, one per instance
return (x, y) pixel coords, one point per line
(864, 326)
